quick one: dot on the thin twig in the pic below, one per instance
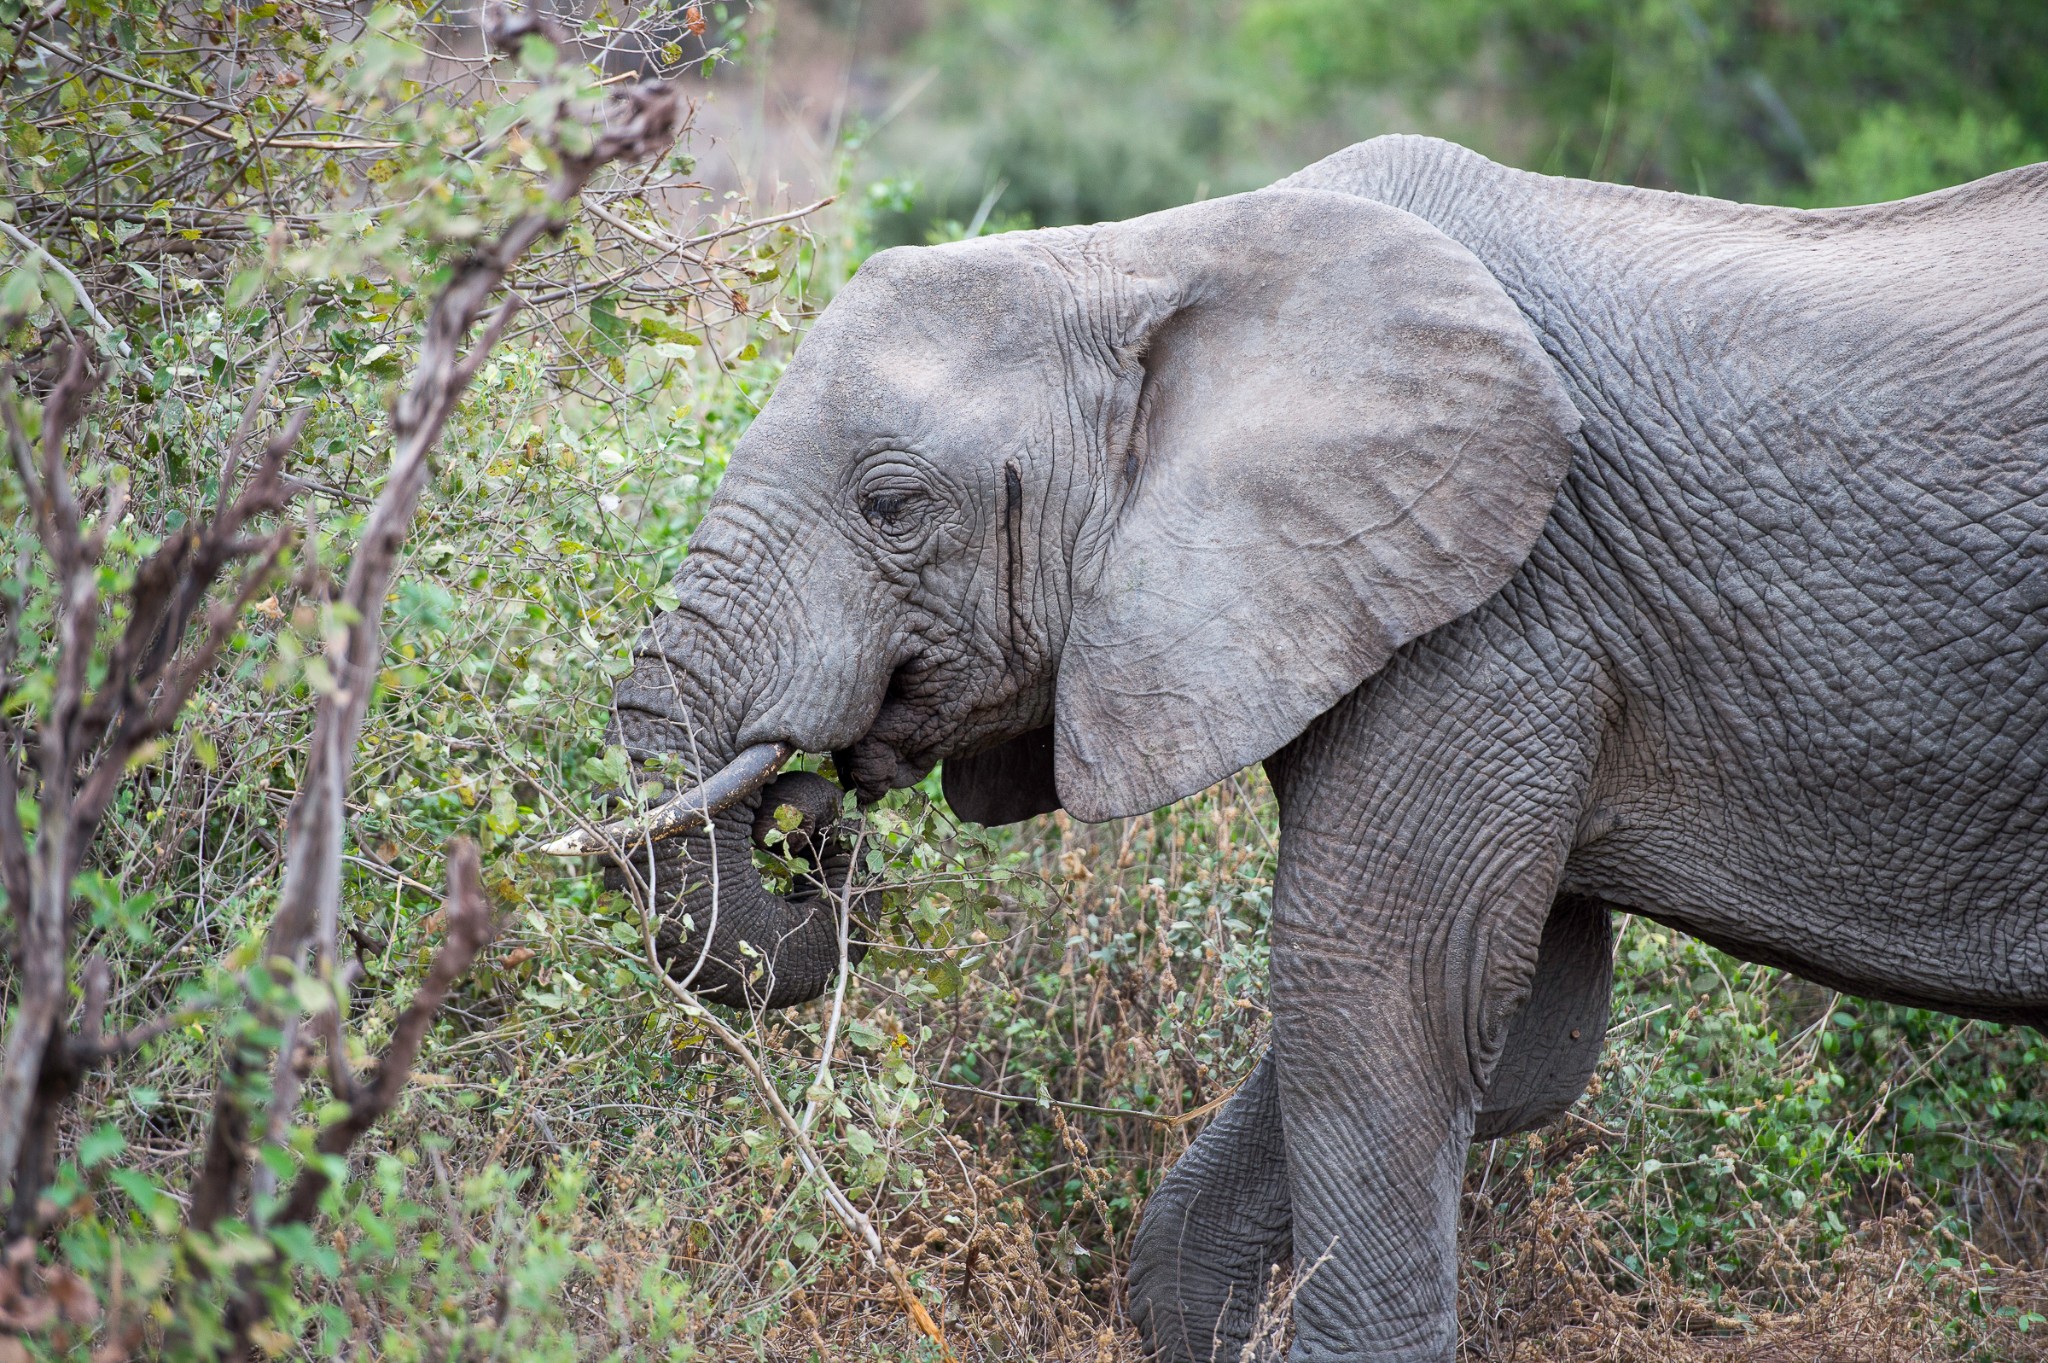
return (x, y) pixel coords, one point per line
(831, 1036)
(1156, 1118)
(837, 1201)
(21, 239)
(284, 143)
(126, 78)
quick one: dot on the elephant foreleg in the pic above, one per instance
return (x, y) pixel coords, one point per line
(1213, 1231)
(1425, 827)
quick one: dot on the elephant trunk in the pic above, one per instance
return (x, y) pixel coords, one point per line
(722, 930)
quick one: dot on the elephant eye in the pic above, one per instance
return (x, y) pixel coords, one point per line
(886, 510)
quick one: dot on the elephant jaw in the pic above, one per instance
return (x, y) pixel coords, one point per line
(872, 765)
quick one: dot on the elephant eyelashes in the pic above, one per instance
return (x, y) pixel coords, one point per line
(894, 501)
(884, 510)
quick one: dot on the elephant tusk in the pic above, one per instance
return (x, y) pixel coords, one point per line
(683, 812)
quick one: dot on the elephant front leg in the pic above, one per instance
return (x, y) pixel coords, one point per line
(1213, 1231)
(1425, 826)
(1377, 1127)
(1390, 1020)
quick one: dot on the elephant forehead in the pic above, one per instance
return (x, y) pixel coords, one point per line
(902, 353)
(968, 306)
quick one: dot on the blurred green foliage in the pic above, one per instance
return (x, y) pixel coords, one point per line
(1081, 110)
(1783, 101)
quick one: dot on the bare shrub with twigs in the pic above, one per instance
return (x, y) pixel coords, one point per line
(123, 630)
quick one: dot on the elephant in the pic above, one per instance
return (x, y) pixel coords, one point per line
(1560, 548)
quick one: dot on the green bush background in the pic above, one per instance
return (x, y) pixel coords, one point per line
(1087, 111)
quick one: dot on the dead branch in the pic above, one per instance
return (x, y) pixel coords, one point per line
(36, 1059)
(87, 740)
(470, 929)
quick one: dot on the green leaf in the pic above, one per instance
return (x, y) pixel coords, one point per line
(162, 1210)
(100, 1144)
(278, 1160)
(613, 768)
(244, 288)
(312, 994)
(22, 291)
(945, 977)
(609, 329)
(538, 55)
(656, 329)
(504, 816)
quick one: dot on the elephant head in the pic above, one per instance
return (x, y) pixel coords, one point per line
(1096, 516)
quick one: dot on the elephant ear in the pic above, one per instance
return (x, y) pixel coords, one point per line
(1344, 436)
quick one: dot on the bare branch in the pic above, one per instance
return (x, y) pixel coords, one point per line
(470, 929)
(97, 980)
(239, 441)
(21, 239)
(138, 700)
(494, 331)
(14, 855)
(48, 488)
(286, 143)
(43, 938)
(340, 1077)
(134, 1039)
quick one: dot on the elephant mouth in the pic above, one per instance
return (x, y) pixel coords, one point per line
(771, 939)
(875, 765)
(895, 752)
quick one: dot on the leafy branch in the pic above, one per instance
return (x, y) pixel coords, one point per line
(120, 673)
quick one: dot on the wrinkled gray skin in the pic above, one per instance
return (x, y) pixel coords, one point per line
(1561, 548)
